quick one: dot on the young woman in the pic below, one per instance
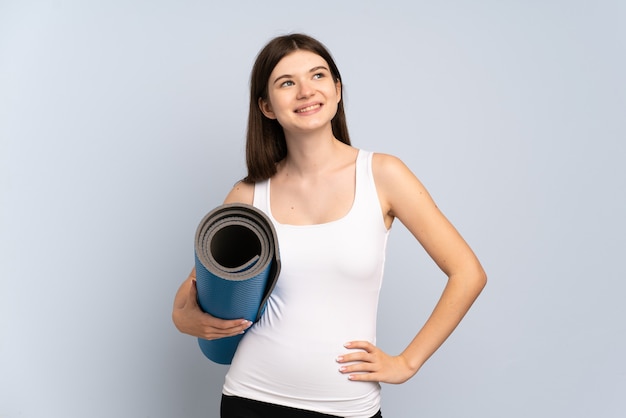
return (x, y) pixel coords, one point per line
(313, 352)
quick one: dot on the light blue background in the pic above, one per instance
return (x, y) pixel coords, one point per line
(122, 124)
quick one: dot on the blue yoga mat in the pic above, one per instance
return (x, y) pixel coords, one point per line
(237, 264)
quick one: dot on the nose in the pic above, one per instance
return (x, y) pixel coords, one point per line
(306, 90)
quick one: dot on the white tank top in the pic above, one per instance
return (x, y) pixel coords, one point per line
(326, 295)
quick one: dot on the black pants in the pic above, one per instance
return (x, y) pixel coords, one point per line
(236, 407)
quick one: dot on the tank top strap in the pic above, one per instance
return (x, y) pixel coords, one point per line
(366, 188)
(363, 164)
(260, 200)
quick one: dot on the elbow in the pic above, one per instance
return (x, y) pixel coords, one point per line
(480, 279)
(177, 320)
(474, 279)
(471, 281)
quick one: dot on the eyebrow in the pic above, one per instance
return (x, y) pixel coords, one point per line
(312, 70)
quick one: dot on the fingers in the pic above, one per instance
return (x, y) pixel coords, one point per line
(361, 361)
(212, 328)
(363, 345)
(366, 349)
(371, 364)
(190, 319)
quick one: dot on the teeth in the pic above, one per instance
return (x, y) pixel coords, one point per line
(306, 109)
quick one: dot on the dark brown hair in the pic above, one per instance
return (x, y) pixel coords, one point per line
(265, 138)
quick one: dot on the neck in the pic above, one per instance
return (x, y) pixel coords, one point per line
(311, 153)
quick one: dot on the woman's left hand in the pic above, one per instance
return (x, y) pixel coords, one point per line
(371, 364)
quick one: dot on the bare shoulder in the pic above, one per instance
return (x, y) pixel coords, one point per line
(390, 171)
(241, 193)
(399, 190)
(386, 164)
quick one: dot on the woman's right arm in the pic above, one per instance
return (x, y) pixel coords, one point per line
(190, 319)
(187, 315)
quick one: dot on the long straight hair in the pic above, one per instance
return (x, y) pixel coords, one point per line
(265, 138)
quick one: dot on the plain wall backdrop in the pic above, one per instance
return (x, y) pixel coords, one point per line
(122, 123)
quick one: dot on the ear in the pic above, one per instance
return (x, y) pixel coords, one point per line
(338, 88)
(266, 108)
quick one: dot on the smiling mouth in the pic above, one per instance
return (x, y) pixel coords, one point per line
(308, 108)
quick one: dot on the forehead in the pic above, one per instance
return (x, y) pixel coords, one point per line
(297, 62)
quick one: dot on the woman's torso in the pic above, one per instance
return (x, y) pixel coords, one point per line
(326, 295)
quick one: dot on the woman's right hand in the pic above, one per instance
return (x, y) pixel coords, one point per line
(190, 319)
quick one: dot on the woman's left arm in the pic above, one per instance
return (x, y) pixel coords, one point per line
(403, 196)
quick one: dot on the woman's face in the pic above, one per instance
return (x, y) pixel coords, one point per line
(302, 94)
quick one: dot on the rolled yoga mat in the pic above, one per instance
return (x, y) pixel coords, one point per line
(237, 265)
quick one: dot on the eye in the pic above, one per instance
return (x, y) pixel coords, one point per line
(317, 76)
(287, 83)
